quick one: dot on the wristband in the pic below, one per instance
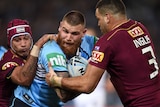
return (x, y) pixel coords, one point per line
(55, 81)
(59, 81)
(35, 51)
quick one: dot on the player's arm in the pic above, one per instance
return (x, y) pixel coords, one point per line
(23, 75)
(64, 95)
(84, 84)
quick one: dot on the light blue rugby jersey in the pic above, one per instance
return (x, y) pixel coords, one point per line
(87, 45)
(39, 94)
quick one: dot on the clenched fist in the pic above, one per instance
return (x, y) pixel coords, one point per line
(52, 79)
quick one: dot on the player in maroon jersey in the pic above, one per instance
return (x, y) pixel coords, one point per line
(126, 51)
(15, 67)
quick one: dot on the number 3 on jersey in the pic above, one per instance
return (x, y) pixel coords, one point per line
(151, 61)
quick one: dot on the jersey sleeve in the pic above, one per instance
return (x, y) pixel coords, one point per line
(52, 53)
(101, 55)
(87, 45)
(8, 63)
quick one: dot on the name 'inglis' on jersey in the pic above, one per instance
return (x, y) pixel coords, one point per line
(140, 38)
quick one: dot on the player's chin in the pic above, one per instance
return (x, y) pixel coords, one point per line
(23, 54)
(68, 46)
(69, 50)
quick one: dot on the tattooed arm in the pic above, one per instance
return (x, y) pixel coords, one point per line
(23, 75)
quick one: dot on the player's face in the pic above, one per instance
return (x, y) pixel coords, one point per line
(69, 37)
(21, 45)
(101, 22)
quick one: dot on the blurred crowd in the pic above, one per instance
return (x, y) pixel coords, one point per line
(44, 16)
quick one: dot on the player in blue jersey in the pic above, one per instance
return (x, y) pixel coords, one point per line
(72, 41)
(127, 52)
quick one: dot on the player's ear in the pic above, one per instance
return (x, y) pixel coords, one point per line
(60, 26)
(106, 18)
(84, 31)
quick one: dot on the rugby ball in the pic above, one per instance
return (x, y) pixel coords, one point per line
(77, 66)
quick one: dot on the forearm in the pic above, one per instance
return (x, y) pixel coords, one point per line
(75, 84)
(30, 66)
(23, 75)
(66, 95)
(81, 84)
(29, 70)
(84, 84)
(63, 94)
(69, 95)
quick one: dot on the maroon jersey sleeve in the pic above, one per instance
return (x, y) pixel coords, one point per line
(127, 53)
(9, 62)
(7, 65)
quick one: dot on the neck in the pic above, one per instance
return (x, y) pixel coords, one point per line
(119, 20)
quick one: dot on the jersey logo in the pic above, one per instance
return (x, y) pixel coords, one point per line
(27, 98)
(97, 48)
(8, 65)
(137, 31)
(97, 56)
(56, 59)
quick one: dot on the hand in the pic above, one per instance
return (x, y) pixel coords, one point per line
(52, 79)
(44, 39)
(52, 36)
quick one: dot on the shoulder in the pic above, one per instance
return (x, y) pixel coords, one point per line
(50, 49)
(86, 36)
(89, 39)
(9, 60)
(8, 56)
(51, 46)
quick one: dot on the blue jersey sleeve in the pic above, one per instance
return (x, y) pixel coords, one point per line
(51, 52)
(87, 45)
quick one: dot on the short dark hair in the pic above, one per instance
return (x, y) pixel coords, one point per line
(74, 18)
(115, 6)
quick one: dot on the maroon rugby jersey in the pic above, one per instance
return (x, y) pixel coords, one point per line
(127, 53)
(7, 64)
